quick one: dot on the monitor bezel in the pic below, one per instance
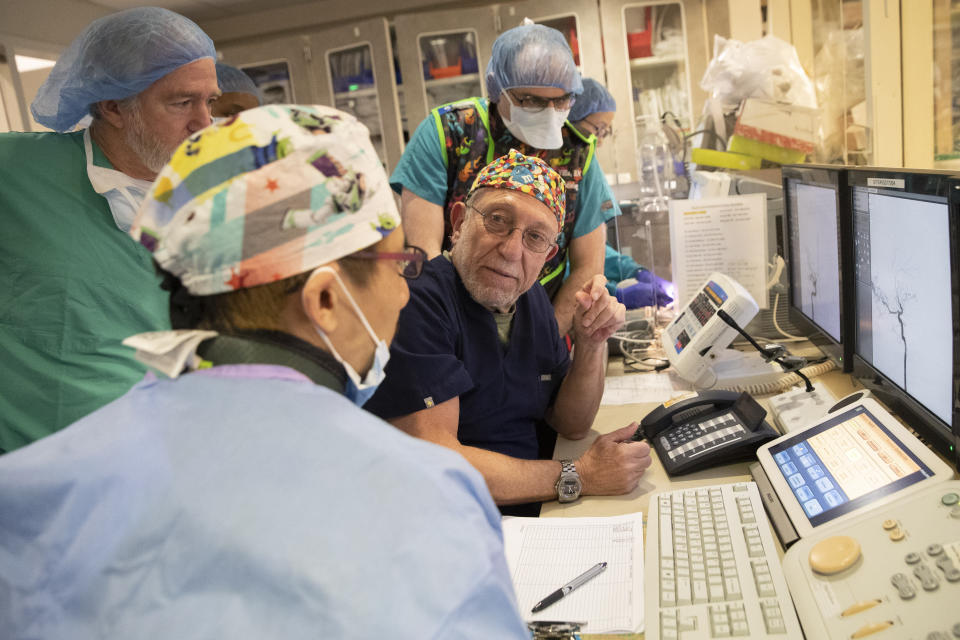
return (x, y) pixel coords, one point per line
(833, 176)
(936, 433)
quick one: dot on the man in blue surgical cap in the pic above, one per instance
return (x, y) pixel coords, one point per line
(532, 83)
(72, 283)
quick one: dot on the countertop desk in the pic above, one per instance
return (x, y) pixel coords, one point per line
(655, 479)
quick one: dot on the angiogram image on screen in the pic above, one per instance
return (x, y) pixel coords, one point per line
(904, 312)
(817, 255)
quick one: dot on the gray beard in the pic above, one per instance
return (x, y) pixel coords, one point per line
(150, 150)
(489, 297)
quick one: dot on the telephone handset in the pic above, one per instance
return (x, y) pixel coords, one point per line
(708, 429)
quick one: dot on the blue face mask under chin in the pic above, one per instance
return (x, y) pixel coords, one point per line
(357, 390)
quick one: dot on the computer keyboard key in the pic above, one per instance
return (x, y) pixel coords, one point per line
(739, 629)
(716, 592)
(732, 588)
(683, 590)
(775, 625)
(699, 591)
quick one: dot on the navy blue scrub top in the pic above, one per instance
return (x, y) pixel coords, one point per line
(447, 345)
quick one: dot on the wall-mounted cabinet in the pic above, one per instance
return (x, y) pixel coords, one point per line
(349, 67)
(655, 56)
(852, 50)
(280, 67)
(354, 70)
(442, 56)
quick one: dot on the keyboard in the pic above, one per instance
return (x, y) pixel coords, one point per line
(711, 568)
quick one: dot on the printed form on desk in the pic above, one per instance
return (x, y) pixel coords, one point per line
(544, 554)
(632, 388)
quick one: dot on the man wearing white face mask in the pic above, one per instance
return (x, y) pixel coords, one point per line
(532, 81)
(72, 284)
(247, 498)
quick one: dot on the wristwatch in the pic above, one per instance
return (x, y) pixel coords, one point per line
(569, 485)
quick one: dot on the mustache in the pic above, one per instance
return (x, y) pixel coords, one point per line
(506, 269)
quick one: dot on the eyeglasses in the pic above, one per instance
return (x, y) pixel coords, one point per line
(536, 103)
(409, 263)
(501, 225)
(601, 130)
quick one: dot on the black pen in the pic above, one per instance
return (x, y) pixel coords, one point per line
(580, 580)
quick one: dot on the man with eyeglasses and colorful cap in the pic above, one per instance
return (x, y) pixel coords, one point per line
(248, 495)
(532, 82)
(72, 284)
(478, 364)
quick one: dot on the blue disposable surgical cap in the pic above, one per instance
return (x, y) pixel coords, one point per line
(531, 55)
(595, 98)
(233, 79)
(116, 57)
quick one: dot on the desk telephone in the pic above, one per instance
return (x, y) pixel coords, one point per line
(708, 429)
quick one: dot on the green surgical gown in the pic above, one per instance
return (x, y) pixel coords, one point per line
(72, 286)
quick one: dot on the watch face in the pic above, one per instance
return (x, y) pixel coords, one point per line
(568, 489)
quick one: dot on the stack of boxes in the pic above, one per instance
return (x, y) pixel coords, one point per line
(778, 132)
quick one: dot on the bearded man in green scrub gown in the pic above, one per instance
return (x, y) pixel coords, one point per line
(72, 282)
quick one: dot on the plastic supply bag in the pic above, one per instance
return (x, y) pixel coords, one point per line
(766, 68)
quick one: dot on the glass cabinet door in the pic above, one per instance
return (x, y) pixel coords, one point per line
(273, 80)
(946, 87)
(450, 66)
(442, 57)
(840, 49)
(355, 89)
(277, 67)
(567, 25)
(656, 45)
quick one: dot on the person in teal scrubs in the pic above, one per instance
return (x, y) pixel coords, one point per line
(72, 283)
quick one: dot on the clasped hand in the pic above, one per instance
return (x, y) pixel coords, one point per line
(598, 314)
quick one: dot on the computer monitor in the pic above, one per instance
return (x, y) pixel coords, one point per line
(905, 228)
(819, 260)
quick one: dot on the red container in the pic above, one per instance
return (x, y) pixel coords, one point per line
(639, 42)
(445, 72)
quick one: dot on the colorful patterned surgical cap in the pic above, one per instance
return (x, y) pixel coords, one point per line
(270, 193)
(526, 174)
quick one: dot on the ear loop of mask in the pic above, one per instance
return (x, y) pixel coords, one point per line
(363, 319)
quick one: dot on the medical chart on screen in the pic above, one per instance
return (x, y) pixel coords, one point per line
(728, 235)
(543, 554)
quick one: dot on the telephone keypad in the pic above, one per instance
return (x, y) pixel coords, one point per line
(692, 438)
